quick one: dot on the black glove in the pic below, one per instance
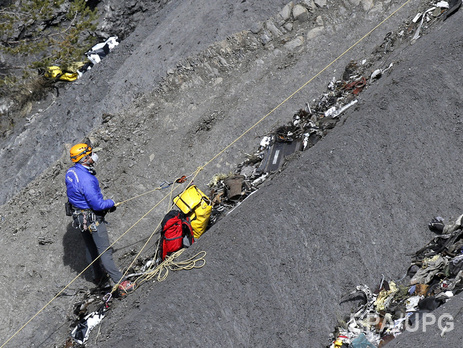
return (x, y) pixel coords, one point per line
(112, 209)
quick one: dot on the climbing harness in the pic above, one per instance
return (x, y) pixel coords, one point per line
(85, 220)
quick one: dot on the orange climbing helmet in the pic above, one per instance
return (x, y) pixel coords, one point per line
(79, 151)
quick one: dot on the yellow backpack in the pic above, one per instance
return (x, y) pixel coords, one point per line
(197, 206)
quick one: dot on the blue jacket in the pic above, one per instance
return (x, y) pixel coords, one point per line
(83, 190)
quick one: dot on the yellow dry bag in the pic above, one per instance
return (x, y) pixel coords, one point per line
(197, 206)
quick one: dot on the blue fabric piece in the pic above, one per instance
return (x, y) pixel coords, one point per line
(83, 190)
(412, 289)
(361, 342)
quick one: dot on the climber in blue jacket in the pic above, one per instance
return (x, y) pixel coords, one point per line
(88, 211)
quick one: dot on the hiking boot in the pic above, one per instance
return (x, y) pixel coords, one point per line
(126, 287)
(103, 282)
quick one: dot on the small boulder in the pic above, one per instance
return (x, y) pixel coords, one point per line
(300, 13)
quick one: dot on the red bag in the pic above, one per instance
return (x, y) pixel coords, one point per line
(176, 233)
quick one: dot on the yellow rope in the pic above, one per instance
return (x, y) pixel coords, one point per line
(80, 274)
(154, 231)
(305, 84)
(138, 196)
(201, 168)
(161, 271)
(144, 245)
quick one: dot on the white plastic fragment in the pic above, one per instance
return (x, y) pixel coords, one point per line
(112, 42)
(147, 265)
(94, 56)
(442, 4)
(335, 113)
(425, 15)
(331, 85)
(376, 74)
(260, 180)
(390, 66)
(417, 17)
(265, 142)
(330, 112)
(412, 303)
(305, 142)
(94, 320)
(353, 327)
(91, 320)
(308, 108)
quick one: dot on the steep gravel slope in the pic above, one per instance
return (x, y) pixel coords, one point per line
(352, 208)
(180, 29)
(273, 276)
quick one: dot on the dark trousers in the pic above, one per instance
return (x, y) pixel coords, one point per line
(96, 243)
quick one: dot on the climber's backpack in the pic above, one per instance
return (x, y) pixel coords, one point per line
(176, 233)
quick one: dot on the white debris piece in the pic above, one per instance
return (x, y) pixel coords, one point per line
(425, 14)
(442, 4)
(100, 50)
(332, 84)
(81, 332)
(417, 17)
(332, 112)
(376, 74)
(305, 142)
(412, 303)
(265, 142)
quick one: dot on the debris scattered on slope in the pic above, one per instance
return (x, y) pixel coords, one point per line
(306, 128)
(228, 190)
(101, 50)
(313, 122)
(74, 72)
(96, 309)
(434, 276)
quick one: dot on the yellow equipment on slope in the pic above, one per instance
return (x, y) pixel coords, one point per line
(197, 206)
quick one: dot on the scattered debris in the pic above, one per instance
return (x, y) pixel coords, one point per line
(434, 276)
(101, 50)
(89, 313)
(75, 71)
(307, 127)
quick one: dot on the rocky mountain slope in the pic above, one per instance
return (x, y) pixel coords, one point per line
(191, 79)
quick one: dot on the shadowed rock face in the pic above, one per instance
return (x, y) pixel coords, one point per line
(341, 214)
